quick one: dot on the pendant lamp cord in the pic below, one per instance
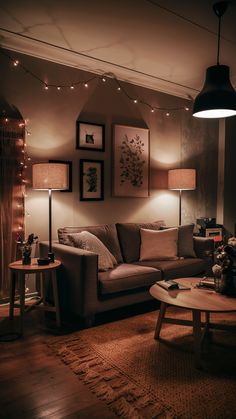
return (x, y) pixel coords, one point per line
(218, 46)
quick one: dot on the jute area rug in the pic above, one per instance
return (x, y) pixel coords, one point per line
(139, 377)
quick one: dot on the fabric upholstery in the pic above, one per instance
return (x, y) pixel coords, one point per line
(185, 240)
(129, 237)
(88, 241)
(178, 269)
(105, 232)
(158, 245)
(126, 277)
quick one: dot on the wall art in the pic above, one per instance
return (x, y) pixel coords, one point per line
(91, 180)
(90, 136)
(69, 163)
(130, 161)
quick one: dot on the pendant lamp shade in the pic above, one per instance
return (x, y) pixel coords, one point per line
(218, 97)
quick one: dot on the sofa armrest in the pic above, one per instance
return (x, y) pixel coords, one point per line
(78, 278)
(204, 247)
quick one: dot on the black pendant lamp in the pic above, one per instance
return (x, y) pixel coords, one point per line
(218, 97)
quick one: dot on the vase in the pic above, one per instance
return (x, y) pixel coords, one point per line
(226, 283)
(26, 255)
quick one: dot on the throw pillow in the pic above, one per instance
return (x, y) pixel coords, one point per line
(185, 241)
(158, 245)
(89, 241)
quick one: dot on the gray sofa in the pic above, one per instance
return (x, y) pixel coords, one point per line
(84, 291)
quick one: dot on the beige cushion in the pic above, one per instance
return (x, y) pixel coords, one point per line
(88, 241)
(185, 241)
(159, 245)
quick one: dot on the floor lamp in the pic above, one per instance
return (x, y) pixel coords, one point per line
(181, 180)
(50, 176)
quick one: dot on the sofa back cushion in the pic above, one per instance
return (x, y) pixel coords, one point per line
(159, 245)
(105, 232)
(129, 237)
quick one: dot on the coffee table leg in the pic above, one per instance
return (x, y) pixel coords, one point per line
(197, 337)
(159, 320)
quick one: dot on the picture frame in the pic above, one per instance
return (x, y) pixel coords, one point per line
(91, 180)
(69, 163)
(90, 136)
(130, 161)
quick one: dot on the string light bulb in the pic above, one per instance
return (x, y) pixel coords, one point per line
(72, 87)
(15, 63)
(85, 84)
(135, 101)
(45, 87)
(58, 87)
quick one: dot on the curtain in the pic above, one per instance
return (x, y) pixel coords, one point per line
(12, 191)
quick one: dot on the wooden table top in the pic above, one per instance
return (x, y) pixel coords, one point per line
(196, 299)
(33, 267)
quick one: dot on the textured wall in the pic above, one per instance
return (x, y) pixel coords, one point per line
(230, 177)
(52, 116)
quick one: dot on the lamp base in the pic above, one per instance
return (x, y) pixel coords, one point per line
(51, 256)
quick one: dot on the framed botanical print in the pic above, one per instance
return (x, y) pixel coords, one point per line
(91, 180)
(130, 161)
(90, 136)
(69, 164)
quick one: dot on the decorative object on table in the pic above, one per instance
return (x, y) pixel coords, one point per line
(181, 180)
(43, 261)
(26, 247)
(130, 161)
(50, 176)
(90, 136)
(91, 180)
(69, 163)
(225, 268)
(218, 97)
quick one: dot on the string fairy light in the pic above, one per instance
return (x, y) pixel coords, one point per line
(72, 85)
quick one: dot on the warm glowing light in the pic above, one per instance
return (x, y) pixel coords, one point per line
(21, 124)
(135, 101)
(6, 119)
(15, 63)
(186, 108)
(167, 113)
(152, 110)
(119, 89)
(58, 87)
(45, 87)
(72, 87)
(85, 84)
(104, 79)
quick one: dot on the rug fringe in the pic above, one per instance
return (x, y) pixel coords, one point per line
(125, 398)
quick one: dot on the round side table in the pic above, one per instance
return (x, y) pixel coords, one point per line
(18, 272)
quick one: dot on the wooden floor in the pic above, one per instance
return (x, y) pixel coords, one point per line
(34, 383)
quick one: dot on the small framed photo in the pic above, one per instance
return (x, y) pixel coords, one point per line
(69, 163)
(90, 136)
(91, 180)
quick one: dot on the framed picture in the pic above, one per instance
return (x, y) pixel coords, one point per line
(91, 180)
(69, 163)
(130, 161)
(90, 136)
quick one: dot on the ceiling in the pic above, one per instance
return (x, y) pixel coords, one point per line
(165, 45)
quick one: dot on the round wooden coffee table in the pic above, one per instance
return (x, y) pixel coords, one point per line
(198, 300)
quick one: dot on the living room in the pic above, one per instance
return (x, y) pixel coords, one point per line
(64, 66)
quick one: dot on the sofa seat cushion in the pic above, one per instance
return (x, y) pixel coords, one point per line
(177, 268)
(125, 277)
(105, 232)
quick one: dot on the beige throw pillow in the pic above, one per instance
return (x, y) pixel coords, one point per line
(90, 242)
(159, 245)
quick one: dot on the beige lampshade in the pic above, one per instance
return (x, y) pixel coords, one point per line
(50, 176)
(182, 179)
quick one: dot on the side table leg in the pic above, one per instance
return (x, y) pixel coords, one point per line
(22, 300)
(12, 294)
(159, 320)
(56, 299)
(197, 337)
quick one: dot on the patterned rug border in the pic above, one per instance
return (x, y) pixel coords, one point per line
(120, 392)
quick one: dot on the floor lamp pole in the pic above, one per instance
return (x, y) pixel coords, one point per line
(180, 196)
(50, 253)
